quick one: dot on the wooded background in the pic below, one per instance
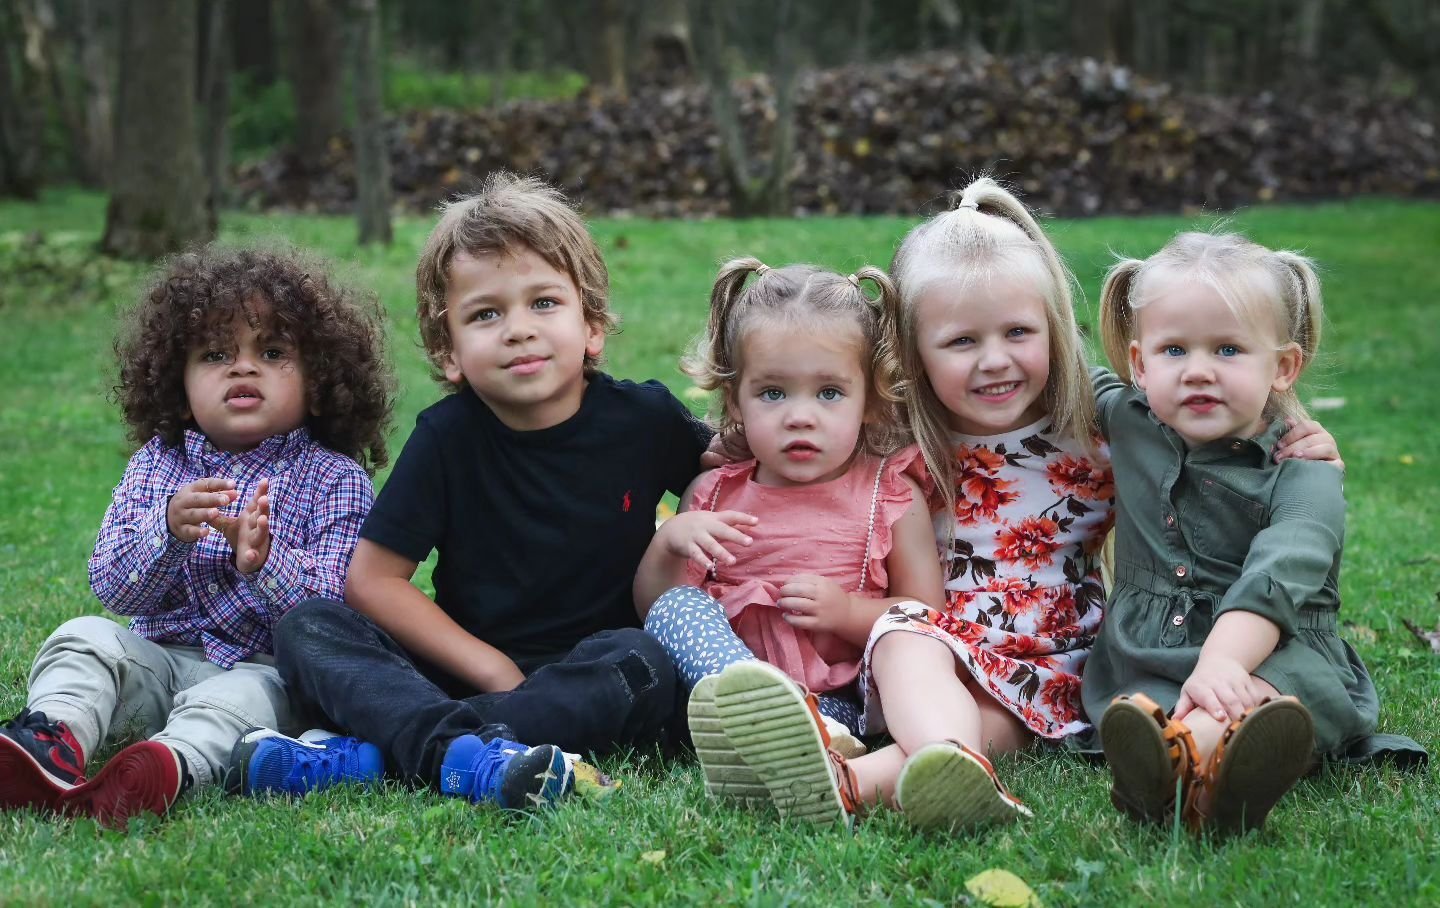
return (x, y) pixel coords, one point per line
(682, 107)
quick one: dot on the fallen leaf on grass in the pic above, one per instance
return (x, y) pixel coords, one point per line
(998, 888)
(1407, 459)
(1362, 633)
(652, 857)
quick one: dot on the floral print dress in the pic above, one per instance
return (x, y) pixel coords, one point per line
(1023, 596)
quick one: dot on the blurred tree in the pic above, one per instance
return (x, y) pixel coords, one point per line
(752, 193)
(158, 202)
(19, 112)
(253, 41)
(372, 161)
(314, 42)
(214, 99)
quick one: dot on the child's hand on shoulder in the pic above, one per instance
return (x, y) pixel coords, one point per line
(725, 448)
(815, 603)
(197, 504)
(701, 536)
(249, 532)
(1221, 687)
(1308, 440)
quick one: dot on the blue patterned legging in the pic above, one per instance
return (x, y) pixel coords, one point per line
(692, 627)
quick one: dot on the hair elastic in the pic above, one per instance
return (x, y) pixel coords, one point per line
(974, 205)
(760, 270)
(854, 281)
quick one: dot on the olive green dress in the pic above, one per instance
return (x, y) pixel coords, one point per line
(1202, 531)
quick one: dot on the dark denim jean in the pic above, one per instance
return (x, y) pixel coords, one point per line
(615, 689)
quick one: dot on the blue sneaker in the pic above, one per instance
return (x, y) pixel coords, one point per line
(512, 775)
(264, 762)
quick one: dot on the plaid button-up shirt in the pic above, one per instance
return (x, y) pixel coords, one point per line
(190, 593)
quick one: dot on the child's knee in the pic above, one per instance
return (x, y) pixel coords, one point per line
(311, 620)
(642, 666)
(91, 633)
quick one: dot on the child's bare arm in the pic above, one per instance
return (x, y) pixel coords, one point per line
(379, 587)
(700, 537)
(1222, 684)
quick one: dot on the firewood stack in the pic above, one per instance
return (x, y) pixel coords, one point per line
(1075, 136)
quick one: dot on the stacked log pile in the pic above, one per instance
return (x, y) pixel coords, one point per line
(1076, 137)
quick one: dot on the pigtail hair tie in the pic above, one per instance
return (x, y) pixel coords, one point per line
(854, 281)
(761, 270)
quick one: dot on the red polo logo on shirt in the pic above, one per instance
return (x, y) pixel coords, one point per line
(626, 504)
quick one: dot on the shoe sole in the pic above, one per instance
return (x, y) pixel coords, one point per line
(771, 727)
(540, 780)
(727, 777)
(1144, 780)
(142, 778)
(947, 788)
(24, 783)
(1266, 756)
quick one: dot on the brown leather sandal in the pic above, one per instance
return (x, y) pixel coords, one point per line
(1152, 758)
(1260, 756)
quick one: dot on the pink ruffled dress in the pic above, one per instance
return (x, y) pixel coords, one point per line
(829, 529)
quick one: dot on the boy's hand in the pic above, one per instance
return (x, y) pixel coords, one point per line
(249, 532)
(815, 604)
(197, 504)
(700, 536)
(1308, 440)
(725, 448)
(1221, 687)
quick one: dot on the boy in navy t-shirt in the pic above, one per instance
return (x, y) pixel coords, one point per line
(536, 481)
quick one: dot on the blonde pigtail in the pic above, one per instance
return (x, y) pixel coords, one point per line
(1117, 315)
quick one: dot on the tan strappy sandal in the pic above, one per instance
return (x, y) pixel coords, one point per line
(1153, 758)
(1260, 756)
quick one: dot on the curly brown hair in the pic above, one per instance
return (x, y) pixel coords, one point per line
(194, 298)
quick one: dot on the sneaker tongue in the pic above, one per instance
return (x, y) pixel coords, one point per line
(490, 764)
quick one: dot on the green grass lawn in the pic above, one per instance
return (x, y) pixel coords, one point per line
(1345, 836)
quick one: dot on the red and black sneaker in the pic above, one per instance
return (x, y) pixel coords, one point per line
(146, 777)
(39, 762)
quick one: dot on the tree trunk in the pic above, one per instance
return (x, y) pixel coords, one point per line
(315, 74)
(782, 150)
(19, 129)
(669, 57)
(372, 163)
(750, 195)
(502, 39)
(95, 51)
(252, 41)
(157, 204)
(215, 105)
(864, 16)
(1308, 29)
(607, 62)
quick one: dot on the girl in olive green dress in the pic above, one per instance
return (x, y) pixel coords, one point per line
(1226, 563)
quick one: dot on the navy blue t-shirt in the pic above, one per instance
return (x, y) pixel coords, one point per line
(539, 533)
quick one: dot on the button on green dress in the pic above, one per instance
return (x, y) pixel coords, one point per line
(1205, 530)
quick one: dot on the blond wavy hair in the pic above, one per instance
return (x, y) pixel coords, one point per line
(986, 234)
(1260, 286)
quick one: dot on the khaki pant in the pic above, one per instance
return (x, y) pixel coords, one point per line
(99, 678)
